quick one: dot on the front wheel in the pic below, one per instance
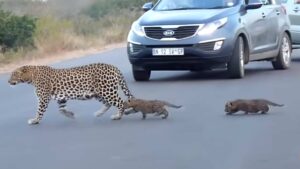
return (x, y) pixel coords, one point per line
(283, 59)
(235, 66)
(141, 74)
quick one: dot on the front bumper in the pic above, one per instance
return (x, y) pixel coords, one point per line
(196, 56)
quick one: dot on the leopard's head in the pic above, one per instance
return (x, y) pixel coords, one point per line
(129, 103)
(230, 107)
(21, 75)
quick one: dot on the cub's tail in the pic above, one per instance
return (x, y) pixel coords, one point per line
(272, 103)
(172, 105)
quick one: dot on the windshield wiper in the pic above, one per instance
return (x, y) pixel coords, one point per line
(218, 7)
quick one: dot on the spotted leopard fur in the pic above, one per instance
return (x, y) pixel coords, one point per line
(100, 81)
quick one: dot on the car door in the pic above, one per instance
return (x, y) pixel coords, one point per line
(256, 26)
(293, 10)
(272, 13)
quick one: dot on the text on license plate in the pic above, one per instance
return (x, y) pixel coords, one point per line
(167, 51)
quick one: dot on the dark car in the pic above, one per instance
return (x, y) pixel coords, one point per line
(208, 34)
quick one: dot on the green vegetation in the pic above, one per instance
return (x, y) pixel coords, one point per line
(16, 31)
(36, 29)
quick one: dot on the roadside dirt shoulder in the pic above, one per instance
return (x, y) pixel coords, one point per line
(58, 57)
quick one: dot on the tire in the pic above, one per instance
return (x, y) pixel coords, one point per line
(283, 59)
(235, 66)
(141, 74)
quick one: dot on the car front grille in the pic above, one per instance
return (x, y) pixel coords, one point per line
(179, 32)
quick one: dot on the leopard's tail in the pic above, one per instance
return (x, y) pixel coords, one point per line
(172, 105)
(272, 103)
(124, 86)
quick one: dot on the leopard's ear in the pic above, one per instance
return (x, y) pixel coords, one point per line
(24, 69)
(130, 99)
(229, 104)
(126, 104)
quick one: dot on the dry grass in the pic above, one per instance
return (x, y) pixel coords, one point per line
(36, 59)
(55, 35)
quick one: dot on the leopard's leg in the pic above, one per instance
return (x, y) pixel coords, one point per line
(165, 113)
(144, 116)
(62, 109)
(130, 111)
(265, 109)
(43, 101)
(119, 103)
(161, 111)
(157, 114)
(103, 109)
(113, 99)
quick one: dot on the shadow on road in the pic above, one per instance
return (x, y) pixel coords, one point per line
(208, 75)
(296, 59)
(132, 121)
(256, 71)
(191, 76)
(246, 115)
(253, 115)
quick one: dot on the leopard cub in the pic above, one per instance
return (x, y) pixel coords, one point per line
(156, 107)
(249, 106)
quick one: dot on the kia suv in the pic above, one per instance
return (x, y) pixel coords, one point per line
(206, 34)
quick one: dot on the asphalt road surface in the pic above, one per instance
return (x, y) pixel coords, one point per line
(197, 136)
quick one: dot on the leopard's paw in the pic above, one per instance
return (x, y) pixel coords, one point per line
(67, 113)
(126, 112)
(98, 114)
(33, 121)
(116, 117)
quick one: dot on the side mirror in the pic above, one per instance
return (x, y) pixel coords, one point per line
(253, 6)
(148, 6)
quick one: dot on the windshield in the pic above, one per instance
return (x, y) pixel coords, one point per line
(168, 5)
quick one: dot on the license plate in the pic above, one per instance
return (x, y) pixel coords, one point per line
(167, 51)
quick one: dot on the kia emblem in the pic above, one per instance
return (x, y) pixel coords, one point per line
(169, 33)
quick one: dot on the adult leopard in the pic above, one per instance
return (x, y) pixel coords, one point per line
(100, 81)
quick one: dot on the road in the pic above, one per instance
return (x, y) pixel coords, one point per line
(197, 136)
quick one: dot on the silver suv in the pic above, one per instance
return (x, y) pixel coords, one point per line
(207, 34)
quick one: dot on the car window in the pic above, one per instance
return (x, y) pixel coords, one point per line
(264, 2)
(193, 4)
(284, 1)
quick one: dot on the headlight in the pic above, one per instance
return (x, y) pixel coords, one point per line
(136, 28)
(213, 26)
